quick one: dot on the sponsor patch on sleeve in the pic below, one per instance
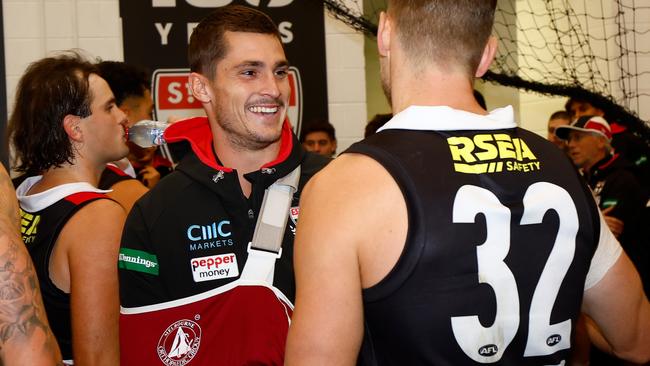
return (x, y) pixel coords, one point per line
(214, 267)
(138, 260)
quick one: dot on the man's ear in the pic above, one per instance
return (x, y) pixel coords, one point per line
(489, 51)
(383, 35)
(72, 127)
(199, 85)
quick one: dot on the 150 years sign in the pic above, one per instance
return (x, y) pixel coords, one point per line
(156, 34)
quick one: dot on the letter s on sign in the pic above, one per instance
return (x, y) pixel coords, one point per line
(175, 94)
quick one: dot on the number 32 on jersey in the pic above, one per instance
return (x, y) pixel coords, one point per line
(487, 344)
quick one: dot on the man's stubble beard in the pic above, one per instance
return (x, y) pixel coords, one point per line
(245, 139)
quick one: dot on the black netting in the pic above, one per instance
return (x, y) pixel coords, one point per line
(595, 50)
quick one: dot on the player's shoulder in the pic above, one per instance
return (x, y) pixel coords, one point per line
(102, 208)
(349, 180)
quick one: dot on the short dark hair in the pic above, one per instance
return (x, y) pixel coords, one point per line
(447, 32)
(574, 99)
(319, 125)
(49, 90)
(376, 123)
(560, 115)
(207, 44)
(125, 80)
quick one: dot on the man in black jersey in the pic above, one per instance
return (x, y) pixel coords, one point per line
(453, 237)
(65, 127)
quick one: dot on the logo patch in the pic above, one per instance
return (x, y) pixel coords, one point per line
(137, 260)
(179, 343)
(214, 267)
(491, 153)
(28, 225)
(293, 213)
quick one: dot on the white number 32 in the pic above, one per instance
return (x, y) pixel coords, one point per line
(487, 344)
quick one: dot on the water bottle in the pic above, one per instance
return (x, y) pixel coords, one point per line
(147, 133)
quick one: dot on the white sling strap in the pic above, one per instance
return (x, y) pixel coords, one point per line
(266, 245)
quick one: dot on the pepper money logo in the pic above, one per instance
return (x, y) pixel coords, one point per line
(179, 343)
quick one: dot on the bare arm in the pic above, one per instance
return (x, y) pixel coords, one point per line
(92, 238)
(337, 253)
(127, 192)
(621, 310)
(25, 335)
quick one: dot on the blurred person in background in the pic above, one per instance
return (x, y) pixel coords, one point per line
(557, 119)
(320, 137)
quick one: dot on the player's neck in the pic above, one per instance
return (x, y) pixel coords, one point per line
(243, 160)
(434, 88)
(69, 173)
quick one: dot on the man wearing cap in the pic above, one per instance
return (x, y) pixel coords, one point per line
(617, 191)
(633, 148)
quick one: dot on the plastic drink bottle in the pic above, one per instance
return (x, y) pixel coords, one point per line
(147, 133)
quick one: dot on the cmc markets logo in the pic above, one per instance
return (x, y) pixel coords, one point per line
(179, 343)
(174, 100)
(210, 231)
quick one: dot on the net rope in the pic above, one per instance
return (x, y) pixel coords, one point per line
(593, 50)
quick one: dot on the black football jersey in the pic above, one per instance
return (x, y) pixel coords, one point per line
(501, 234)
(43, 216)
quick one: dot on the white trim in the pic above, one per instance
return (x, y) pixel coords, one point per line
(38, 201)
(444, 118)
(202, 296)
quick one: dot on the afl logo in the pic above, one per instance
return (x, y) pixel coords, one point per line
(553, 340)
(179, 343)
(488, 350)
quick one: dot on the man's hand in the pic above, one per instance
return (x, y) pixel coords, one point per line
(614, 224)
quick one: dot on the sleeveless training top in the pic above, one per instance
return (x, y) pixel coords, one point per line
(43, 216)
(501, 235)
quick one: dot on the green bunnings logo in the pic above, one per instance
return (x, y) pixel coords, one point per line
(137, 260)
(609, 203)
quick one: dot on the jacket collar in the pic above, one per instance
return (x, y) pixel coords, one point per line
(197, 132)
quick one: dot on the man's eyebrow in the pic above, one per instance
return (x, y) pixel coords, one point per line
(110, 101)
(244, 64)
(283, 63)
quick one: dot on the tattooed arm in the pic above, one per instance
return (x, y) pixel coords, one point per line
(25, 336)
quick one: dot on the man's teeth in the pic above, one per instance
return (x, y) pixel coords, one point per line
(263, 109)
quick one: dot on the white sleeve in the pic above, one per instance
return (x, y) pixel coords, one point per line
(606, 255)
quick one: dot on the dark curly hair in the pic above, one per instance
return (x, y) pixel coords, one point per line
(49, 90)
(124, 79)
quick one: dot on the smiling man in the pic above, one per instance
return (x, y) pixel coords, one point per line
(190, 235)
